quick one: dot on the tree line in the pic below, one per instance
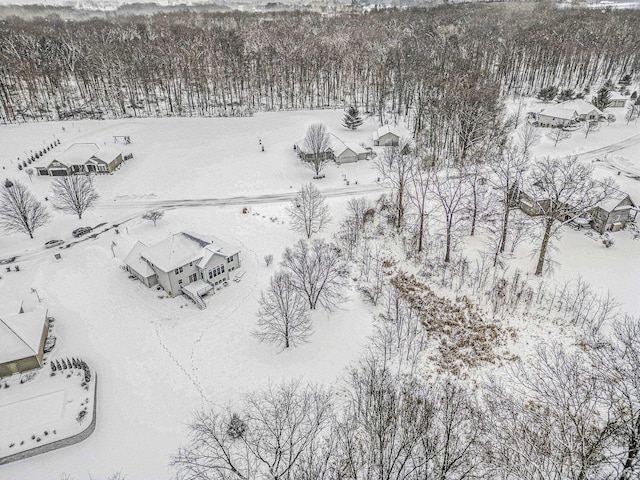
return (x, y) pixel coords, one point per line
(427, 65)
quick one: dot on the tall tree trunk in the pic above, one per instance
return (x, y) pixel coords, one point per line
(447, 255)
(545, 244)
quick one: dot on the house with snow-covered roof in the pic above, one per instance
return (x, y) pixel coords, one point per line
(347, 152)
(613, 213)
(388, 135)
(584, 109)
(184, 263)
(83, 158)
(617, 100)
(556, 116)
(22, 339)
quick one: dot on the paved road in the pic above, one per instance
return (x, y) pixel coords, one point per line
(141, 206)
(599, 153)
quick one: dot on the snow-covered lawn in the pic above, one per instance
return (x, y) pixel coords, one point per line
(159, 359)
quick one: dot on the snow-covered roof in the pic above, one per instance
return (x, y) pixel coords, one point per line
(559, 112)
(79, 153)
(581, 106)
(339, 146)
(383, 130)
(185, 247)
(135, 260)
(613, 200)
(617, 96)
(21, 334)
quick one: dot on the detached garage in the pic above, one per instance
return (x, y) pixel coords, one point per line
(22, 339)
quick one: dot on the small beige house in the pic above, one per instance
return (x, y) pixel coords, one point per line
(584, 109)
(22, 339)
(556, 116)
(387, 135)
(184, 263)
(617, 100)
(347, 152)
(83, 158)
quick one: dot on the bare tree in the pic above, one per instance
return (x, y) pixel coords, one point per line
(316, 146)
(282, 317)
(589, 126)
(74, 194)
(268, 439)
(268, 260)
(528, 137)
(309, 211)
(395, 167)
(562, 190)
(448, 188)
(153, 216)
(318, 272)
(419, 191)
(20, 211)
(557, 134)
(508, 169)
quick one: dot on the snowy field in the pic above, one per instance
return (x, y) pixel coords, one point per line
(160, 359)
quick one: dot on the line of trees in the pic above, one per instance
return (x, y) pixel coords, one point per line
(437, 65)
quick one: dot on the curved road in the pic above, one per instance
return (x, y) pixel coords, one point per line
(144, 205)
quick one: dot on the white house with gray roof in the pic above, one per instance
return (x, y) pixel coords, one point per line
(184, 263)
(83, 158)
(22, 339)
(556, 116)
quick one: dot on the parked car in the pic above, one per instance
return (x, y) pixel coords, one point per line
(78, 232)
(53, 243)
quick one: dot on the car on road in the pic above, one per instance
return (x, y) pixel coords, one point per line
(78, 232)
(53, 243)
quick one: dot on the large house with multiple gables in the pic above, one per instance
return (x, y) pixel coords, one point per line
(184, 263)
(83, 158)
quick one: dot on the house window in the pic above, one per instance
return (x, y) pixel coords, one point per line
(180, 282)
(179, 270)
(229, 259)
(210, 274)
(193, 277)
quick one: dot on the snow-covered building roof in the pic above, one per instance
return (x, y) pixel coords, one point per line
(339, 146)
(617, 96)
(580, 106)
(21, 335)
(383, 130)
(185, 247)
(559, 112)
(135, 260)
(613, 201)
(79, 153)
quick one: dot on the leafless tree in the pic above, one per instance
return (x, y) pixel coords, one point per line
(269, 439)
(448, 188)
(528, 137)
(562, 190)
(589, 126)
(316, 145)
(395, 166)
(418, 192)
(74, 194)
(550, 419)
(318, 272)
(352, 231)
(20, 211)
(268, 259)
(282, 317)
(557, 135)
(309, 211)
(508, 171)
(153, 216)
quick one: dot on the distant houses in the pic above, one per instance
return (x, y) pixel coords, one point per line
(388, 135)
(556, 116)
(184, 263)
(22, 339)
(336, 149)
(617, 100)
(584, 109)
(83, 158)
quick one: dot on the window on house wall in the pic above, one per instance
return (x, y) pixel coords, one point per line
(179, 270)
(180, 282)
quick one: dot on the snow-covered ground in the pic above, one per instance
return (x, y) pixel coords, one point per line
(160, 359)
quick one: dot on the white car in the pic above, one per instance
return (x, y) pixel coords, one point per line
(53, 243)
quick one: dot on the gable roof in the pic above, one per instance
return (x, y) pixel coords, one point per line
(134, 260)
(581, 106)
(339, 146)
(21, 334)
(80, 153)
(383, 130)
(617, 96)
(559, 112)
(614, 199)
(182, 248)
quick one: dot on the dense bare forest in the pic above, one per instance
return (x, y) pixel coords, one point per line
(417, 62)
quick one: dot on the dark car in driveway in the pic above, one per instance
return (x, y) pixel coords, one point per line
(78, 232)
(53, 243)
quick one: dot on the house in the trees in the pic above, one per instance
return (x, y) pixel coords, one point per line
(613, 213)
(83, 158)
(388, 135)
(184, 263)
(584, 109)
(617, 100)
(307, 154)
(347, 152)
(556, 116)
(22, 339)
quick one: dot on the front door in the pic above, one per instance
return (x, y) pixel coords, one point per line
(193, 277)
